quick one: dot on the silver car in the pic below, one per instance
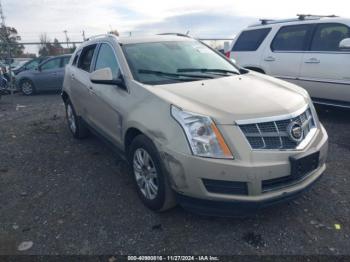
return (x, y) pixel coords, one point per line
(48, 76)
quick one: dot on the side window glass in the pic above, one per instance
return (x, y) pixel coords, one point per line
(328, 36)
(75, 60)
(33, 64)
(106, 58)
(85, 58)
(52, 64)
(291, 38)
(250, 40)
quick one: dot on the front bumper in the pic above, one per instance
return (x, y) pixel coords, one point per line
(187, 173)
(236, 207)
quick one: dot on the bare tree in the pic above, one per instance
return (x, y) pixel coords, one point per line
(45, 45)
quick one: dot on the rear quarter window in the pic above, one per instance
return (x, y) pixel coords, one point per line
(250, 40)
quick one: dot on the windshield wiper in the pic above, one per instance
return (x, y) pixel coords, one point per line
(207, 70)
(154, 72)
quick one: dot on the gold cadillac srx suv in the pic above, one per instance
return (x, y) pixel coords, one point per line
(196, 129)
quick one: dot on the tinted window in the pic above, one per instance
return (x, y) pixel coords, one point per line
(291, 38)
(65, 61)
(106, 58)
(328, 36)
(86, 58)
(250, 40)
(52, 64)
(75, 60)
(32, 64)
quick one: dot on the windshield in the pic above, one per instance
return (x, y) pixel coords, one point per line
(171, 62)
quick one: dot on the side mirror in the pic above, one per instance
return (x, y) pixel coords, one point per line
(345, 44)
(105, 76)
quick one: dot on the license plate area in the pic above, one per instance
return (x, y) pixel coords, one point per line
(303, 164)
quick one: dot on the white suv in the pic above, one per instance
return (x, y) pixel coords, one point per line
(311, 51)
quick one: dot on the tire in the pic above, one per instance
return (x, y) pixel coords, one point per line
(75, 123)
(27, 87)
(150, 174)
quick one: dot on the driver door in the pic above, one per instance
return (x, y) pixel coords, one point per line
(47, 76)
(105, 109)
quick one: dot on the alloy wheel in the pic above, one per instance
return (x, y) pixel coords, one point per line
(27, 88)
(145, 173)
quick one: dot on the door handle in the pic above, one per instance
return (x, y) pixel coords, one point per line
(312, 60)
(269, 59)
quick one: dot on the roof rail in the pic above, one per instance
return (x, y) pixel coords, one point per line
(298, 18)
(176, 34)
(265, 21)
(305, 16)
(100, 36)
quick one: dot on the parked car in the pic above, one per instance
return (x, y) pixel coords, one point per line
(30, 65)
(311, 51)
(195, 128)
(48, 76)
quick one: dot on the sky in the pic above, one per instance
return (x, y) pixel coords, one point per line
(205, 19)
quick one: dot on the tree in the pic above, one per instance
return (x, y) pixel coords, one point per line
(56, 44)
(9, 36)
(45, 45)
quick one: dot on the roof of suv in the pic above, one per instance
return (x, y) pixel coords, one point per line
(295, 21)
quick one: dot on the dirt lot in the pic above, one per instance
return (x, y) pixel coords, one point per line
(77, 197)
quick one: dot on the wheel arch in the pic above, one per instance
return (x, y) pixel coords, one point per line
(65, 96)
(25, 78)
(130, 135)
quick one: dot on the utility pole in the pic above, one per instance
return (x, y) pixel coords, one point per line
(67, 39)
(84, 38)
(2, 16)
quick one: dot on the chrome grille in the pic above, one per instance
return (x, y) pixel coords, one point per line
(274, 134)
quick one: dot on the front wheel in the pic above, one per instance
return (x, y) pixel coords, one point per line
(27, 87)
(151, 180)
(75, 124)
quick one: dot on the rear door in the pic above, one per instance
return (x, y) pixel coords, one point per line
(325, 69)
(80, 79)
(46, 78)
(283, 57)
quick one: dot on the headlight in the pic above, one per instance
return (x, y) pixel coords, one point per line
(202, 134)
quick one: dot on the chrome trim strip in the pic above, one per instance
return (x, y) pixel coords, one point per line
(279, 134)
(272, 118)
(307, 139)
(262, 138)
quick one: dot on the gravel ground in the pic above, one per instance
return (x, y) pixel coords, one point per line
(77, 197)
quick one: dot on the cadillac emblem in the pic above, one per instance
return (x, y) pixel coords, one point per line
(295, 132)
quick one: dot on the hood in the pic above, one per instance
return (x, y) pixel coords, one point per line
(235, 97)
